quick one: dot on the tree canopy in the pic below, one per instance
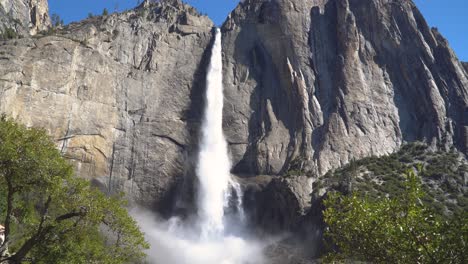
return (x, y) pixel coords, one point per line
(394, 230)
(49, 215)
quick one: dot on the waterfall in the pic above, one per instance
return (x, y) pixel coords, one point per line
(214, 235)
(213, 170)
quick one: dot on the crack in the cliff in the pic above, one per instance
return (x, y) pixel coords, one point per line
(131, 170)
(66, 137)
(237, 143)
(68, 157)
(180, 145)
(100, 151)
(14, 82)
(111, 169)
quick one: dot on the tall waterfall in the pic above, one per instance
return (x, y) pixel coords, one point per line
(207, 238)
(213, 170)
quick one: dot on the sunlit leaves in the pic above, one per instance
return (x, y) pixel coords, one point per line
(397, 230)
(53, 216)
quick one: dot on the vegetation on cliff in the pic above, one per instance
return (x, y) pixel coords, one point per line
(443, 177)
(407, 207)
(394, 230)
(49, 215)
(8, 33)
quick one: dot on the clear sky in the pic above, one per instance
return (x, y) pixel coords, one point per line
(449, 16)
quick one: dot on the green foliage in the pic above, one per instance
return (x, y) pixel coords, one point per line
(57, 23)
(56, 20)
(90, 15)
(296, 167)
(394, 230)
(375, 177)
(51, 216)
(105, 12)
(8, 33)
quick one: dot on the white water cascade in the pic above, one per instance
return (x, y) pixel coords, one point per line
(212, 237)
(213, 170)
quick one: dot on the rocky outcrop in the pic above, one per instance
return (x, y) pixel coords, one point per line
(277, 204)
(323, 82)
(24, 16)
(122, 95)
(465, 64)
(443, 177)
(288, 253)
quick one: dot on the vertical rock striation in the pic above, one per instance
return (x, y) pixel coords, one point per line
(318, 83)
(122, 95)
(25, 17)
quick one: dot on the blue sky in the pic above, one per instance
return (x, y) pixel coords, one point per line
(449, 16)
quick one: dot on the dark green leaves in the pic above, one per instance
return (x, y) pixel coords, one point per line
(51, 216)
(394, 230)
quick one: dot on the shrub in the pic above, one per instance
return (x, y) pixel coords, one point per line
(8, 33)
(393, 230)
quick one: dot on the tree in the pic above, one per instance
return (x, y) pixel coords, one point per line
(105, 12)
(49, 215)
(56, 20)
(397, 230)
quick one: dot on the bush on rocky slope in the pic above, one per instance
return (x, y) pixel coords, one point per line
(8, 33)
(443, 177)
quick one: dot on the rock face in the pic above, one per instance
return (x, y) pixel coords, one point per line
(24, 16)
(309, 83)
(322, 82)
(465, 64)
(122, 95)
(281, 204)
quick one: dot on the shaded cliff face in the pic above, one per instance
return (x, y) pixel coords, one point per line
(24, 16)
(318, 83)
(121, 95)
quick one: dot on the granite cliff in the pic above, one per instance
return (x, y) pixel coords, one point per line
(25, 17)
(120, 94)
(309, 86)
(319, 83)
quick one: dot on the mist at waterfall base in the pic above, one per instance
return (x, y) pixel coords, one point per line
(176, 242)
(214, 235)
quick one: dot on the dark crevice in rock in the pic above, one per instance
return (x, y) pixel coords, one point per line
(180, 145)
(131, 167)
(111, 170)
(238, 143)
